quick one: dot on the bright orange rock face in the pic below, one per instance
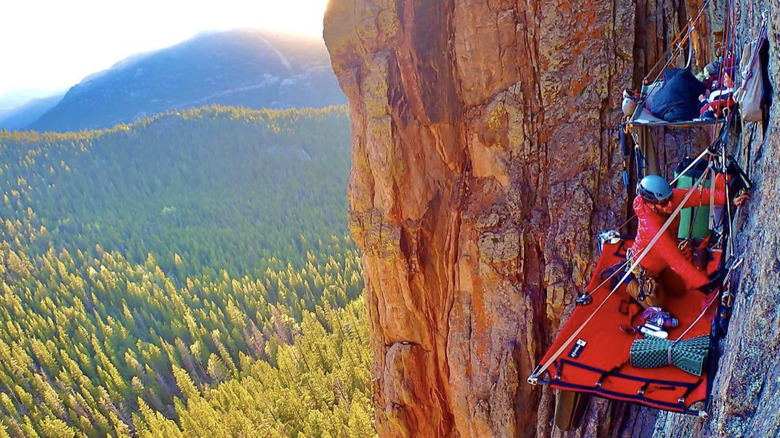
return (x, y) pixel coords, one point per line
(485, 158)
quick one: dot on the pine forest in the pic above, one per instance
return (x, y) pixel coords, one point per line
(188, 275)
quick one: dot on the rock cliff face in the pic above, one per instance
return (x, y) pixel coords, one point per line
(746, 396)
(485, 158)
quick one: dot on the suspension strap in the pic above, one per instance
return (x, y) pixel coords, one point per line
(690, 47)
(711, 224)
(679, 338)
(704, 153)
(618, 270)
(676, 45)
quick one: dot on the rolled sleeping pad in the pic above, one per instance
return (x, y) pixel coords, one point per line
(688, 355)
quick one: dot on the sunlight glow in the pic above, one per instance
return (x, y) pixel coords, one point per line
(53, 44)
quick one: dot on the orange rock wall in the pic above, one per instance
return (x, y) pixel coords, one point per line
(485, 159)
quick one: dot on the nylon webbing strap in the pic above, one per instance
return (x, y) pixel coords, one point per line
(658, 235)
(677, 44)
(712, 204)
(690, 48)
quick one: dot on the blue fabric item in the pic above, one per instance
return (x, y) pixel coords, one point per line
(654, 188)
(678, 98)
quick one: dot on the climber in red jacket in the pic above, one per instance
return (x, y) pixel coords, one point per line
(655, 203)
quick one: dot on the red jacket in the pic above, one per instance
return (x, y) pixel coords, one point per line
(665, 253)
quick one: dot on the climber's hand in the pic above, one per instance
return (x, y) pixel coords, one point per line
(742, 199)
(716, 280)
(710, 286)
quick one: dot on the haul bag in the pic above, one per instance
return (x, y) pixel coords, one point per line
(569, 409)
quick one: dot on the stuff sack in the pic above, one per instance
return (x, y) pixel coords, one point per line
(750, 93)
(678, 98)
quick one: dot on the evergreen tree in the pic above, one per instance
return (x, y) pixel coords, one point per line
(189, 275)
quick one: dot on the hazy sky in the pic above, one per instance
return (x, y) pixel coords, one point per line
(53, 44)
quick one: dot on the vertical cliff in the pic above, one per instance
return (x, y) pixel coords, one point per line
(746, 395)
(485, 158)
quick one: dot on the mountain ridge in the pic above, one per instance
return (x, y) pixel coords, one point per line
(27, 113)
(247, 68)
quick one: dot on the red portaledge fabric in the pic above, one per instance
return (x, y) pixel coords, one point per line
(607, 347)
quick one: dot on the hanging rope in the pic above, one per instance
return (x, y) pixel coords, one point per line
(690, 51)
(728, 53)
(676, 46)
(676, 43)
(714, 298)
(618, 270)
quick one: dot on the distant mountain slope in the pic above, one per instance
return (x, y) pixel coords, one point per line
(19, 117)
(222, 188)
(236, 68)
(18, 97)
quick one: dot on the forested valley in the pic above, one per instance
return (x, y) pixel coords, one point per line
(190, 274)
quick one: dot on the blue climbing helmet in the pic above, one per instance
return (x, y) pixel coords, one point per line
(654, 189)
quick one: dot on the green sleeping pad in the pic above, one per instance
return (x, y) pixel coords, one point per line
(701, 223)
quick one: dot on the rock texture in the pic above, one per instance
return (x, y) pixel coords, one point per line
(747, 387)
(485, 158)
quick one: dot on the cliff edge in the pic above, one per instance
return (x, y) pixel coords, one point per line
(485, 159)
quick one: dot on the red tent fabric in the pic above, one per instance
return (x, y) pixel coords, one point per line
(597, 360)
